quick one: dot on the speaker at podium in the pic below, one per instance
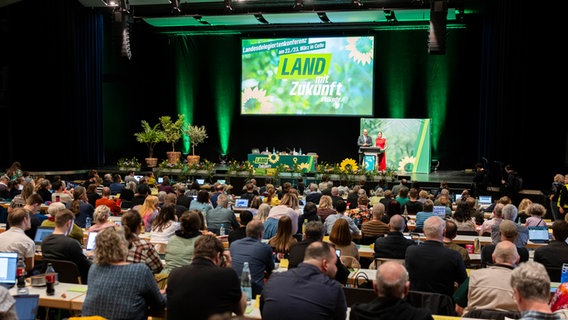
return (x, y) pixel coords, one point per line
(370, 159)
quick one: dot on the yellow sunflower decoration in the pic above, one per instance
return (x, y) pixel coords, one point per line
(406, 164)
(273, 158)
(348, 165)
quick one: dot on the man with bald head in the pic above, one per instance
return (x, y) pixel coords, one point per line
(490, 288)
(431, 266)
(394, 244)
(391, 285)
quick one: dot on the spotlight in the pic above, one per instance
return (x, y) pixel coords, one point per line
(223, 158)
(434, 165)
(298, 4)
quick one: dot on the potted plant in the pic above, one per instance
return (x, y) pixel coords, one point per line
(196, 134)
(172, 133)
(150, 136)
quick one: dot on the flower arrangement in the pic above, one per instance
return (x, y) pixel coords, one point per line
(349, 166)
(241, 166)
(128, 163)
(166, 164)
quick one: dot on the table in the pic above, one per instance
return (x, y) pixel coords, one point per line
(69, 296)
(304, 162)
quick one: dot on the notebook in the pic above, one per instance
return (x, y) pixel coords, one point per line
(8, 264)
(26, 306)
(440, 211)
(539, 234)
(485, 200)
(91, 241)
(241, 203)
(41, 233)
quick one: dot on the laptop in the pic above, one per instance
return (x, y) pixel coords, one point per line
(26, 306)
(539, 234)
(200, 181)
(91, 241)
(440, 211)
(458, 198)
(138, 177)
(222, 181)
(485, 200)
(8, 265)
(241, 203)
(41, 233)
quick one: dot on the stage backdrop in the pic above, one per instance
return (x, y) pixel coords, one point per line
(408, 142)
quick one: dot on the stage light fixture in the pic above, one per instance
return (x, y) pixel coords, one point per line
(298, 4)
(228, 5)
(223, 158)
(260, 18)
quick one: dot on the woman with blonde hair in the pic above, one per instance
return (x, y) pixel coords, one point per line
(263, 211)
(285, 208)
(523, 208)
(271, 197)
(100, 217)
(284, 238)
(149, 210)
(325, 207)
(341, 237)
(119, 289)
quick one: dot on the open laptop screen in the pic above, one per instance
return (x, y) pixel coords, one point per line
(539, 234)
(91, 241)
(8, 264)
(41, 233)
(241, 203)
(200, 181)
(485, 200)
(440, 211)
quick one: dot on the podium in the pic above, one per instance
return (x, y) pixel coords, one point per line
(370, 158)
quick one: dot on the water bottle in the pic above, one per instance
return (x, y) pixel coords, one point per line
(88, 223)
(222, 230)
(300, 152)
(246, 286)
(21, 274)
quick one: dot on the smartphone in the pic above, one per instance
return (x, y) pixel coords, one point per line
(338, 252)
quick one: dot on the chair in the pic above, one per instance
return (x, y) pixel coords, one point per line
(467, 233)
(492, 314)
(67, 271)
(350, 262)
(437, 303)
(379, 261)
(554, 273)
(358, 295)
(367, 240)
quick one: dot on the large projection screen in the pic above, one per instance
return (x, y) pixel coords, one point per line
(408, 142)
(320, 76)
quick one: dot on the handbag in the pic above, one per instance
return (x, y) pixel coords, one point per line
(362, 281)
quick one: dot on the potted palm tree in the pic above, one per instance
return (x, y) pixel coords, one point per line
(151, 135)
(196, 136)
(172, 132)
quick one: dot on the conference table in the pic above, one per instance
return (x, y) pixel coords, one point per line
(69, 296)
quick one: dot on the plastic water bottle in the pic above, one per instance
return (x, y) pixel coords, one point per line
(21, 274)
(246, 286)
(88, 223)
(222, 230)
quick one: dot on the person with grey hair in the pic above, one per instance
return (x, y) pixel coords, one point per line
(510, 212)
(496, 219)
(258, 254)
(531, 291)
(393, 245)
(432, 258)
(308, 291)
(391, 286)
(222, 215)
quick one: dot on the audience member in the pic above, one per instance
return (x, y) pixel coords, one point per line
(179, 250)
(286, 207)
(76, 232)
(15, 239)
(33, 205)
(107, 201)
(139, 250)
(128, 192)
(310, 213)
(202, 203)
(432, 258)
(449, 236)
(507, 232)
(553, 255)
(165, 225)
(531, 291)
(427, 212)
(118, 289)
(57, 246)
(313, 194)
(392, 208)
(5, 191)
(536, 212)
(92, 195)
(391, 286)
(101, 219)
(60, 192)
(341, 237)
(495, 220)
(263, 211)
(259, 255)
(254, 205)
(182, 199)
(117, 185)
(7, 305)
(522, 214)
(490, 288)
(44, 190)
(142, 191)
(222, 215)
(209, 278)
(339, 213)
(462, 217)
(413, 206)
(283, 239)
(375, 227)
(245, 217)
(317, 297)
(148, 211)
(510, 213)
(394, 244)
(171, 198)
(81, 207)
(326, 208)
